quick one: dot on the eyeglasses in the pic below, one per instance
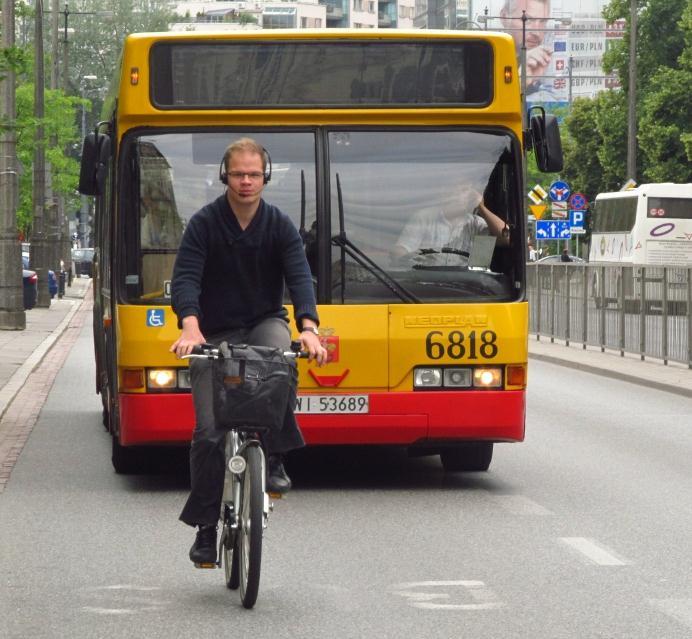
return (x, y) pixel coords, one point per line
(239, 175)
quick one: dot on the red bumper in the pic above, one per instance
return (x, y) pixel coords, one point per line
(394, 418)
(156, 419)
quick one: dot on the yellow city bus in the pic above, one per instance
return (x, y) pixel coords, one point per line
(365, 130)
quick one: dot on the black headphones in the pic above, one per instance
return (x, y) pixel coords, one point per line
(223, 175)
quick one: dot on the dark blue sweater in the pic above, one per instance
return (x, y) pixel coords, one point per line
(230, 278)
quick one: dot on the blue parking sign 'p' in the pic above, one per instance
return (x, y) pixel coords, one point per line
(155, 317)
(576, 219)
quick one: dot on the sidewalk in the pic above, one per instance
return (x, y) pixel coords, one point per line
(672, 377)
(22, 351)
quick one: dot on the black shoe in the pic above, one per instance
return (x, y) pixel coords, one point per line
(277, 479)
(203, 551)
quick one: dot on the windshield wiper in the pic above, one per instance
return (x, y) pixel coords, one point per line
(301, 231)
(350, 249)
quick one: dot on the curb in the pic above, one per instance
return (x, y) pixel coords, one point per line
(19, 377)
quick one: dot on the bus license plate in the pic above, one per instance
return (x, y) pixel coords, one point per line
(329, 404)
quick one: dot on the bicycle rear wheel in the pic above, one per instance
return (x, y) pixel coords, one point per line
(249, 539)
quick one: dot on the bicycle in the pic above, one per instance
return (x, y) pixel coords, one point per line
(246, 504)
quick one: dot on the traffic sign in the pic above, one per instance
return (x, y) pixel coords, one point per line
(559, 191)
(552, 230)
(538, 210)
(578, 202)
(537, 194)
(576, 219)
(559, 210)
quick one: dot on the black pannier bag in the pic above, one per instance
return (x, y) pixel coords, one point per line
(253, 386)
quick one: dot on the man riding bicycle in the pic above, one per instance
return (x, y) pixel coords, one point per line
(228, 283)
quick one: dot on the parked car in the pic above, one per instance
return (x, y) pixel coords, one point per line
(82, 261)
(52, 280)
(555, 259)
(30, 280)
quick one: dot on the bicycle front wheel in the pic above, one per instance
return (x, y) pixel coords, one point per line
(249, 540)
(230, 558)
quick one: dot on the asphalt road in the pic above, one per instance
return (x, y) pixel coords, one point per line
(582, 531)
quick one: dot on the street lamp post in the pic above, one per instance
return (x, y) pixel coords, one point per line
(85, 202)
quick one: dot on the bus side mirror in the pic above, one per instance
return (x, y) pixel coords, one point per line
(96, 151)
(545, 141)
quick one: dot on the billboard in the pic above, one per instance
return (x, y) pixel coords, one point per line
(565, 42)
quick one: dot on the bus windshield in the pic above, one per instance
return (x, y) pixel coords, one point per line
(381, 184)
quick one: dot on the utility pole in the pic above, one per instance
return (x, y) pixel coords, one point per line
(632, 97)
(39, 252)
(12, 315)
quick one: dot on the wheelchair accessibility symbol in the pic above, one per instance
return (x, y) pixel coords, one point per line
(155, 317)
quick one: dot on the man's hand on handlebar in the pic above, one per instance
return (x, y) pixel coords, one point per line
(310, 343)
(189, 338)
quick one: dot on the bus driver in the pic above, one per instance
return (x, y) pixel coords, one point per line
(228, 284)
(451, 227)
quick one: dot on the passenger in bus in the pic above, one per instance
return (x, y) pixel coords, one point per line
(228, 284)
(444, 236)
(160, 226)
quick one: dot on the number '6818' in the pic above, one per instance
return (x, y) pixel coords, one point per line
(459, 345)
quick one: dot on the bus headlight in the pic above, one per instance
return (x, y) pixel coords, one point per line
(159, 378)
(427, 377)
(487, 377)
(184, 378)
(457, 377)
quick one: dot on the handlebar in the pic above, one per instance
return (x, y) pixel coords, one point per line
(209, 351)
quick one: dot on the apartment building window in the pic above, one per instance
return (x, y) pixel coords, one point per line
(371, 7)
(357, 5)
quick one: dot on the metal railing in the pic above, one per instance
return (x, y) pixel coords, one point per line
(633, 309)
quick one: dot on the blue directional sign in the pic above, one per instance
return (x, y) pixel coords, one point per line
(559, 191)
(552, 230)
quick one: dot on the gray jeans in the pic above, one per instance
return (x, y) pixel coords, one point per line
(207, 452)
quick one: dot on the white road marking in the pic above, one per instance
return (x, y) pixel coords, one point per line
(128, 587)
(520, 505)
(594, 552)
(678, 609)
(484, 598)
(125, 599)
(109, 611)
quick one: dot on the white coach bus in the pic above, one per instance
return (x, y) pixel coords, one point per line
(650, 227)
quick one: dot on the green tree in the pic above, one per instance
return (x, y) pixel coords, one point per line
(98, 28)
(611, 127)
(666, 117)
(581, 145)
(664, 80)
(60, 121)
(660, 38)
